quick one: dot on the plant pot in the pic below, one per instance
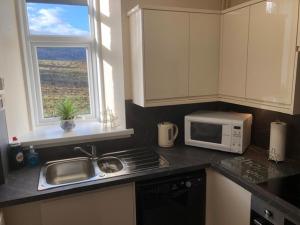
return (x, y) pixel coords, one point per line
(67, 125)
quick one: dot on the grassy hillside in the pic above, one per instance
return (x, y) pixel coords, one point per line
(62, 79)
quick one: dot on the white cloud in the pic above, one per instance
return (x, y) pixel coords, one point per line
(48, 21)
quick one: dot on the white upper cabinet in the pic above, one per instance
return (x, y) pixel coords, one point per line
(204, 54)
(234, 52)
(166, 49)
(272, 51)
(174, 56)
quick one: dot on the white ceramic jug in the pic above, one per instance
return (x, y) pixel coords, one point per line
(167, 133)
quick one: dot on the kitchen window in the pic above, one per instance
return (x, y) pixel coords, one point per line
(61, 56)
(72, 49)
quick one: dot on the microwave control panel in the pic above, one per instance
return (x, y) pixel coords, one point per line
(236, 142)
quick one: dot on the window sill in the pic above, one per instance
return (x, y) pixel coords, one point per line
(50, 136)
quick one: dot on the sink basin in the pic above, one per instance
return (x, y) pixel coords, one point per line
(68, 171)
(110, 164)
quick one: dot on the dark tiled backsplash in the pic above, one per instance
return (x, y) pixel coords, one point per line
(144, 122)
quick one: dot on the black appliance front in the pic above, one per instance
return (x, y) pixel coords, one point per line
(287, 188)
(262, 213)
(174, 200)
(257, 219)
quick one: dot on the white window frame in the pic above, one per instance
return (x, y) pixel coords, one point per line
(31, 42)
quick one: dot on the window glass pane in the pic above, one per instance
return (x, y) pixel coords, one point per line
(58, 19)
(63, 74)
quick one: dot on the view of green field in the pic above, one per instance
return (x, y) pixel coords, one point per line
(62, 79)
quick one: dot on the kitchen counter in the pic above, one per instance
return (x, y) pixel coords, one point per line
(21, 185)
(246, 170)
(254, 168)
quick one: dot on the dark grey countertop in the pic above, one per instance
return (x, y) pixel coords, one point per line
(253, 168)
(247, 170)
(21, 185)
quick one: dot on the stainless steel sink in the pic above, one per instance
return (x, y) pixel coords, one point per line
(110, 164)
(78, 170)
(68, 171)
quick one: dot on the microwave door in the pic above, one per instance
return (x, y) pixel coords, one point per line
(205, 132)
(209, 135)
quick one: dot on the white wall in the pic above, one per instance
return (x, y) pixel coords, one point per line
(112, 57)
(129, 4)
(11, 70)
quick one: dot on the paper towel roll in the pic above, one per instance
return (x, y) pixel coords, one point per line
(277, 141)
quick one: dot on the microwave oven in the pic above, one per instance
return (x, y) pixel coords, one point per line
(224, 131)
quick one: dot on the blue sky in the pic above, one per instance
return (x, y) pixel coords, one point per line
(57, 19)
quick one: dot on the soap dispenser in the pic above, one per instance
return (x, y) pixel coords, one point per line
(32, 157)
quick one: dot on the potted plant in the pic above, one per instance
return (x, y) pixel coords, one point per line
(67, 112)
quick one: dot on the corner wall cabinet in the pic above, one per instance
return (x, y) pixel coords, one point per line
(176, 54)
(271, 60)
(272, 51)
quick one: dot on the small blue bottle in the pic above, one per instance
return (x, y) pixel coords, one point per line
(32, 158)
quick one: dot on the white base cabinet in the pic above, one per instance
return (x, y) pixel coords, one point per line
(109, 206)
(226, 201)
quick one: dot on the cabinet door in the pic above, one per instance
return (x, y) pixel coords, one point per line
(112, 206)
(235, 26)
(204, 54)
(272, 50)
(226, 202)
(166, 40)
(24, 214)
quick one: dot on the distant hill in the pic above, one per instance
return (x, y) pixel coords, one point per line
(69, 54)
